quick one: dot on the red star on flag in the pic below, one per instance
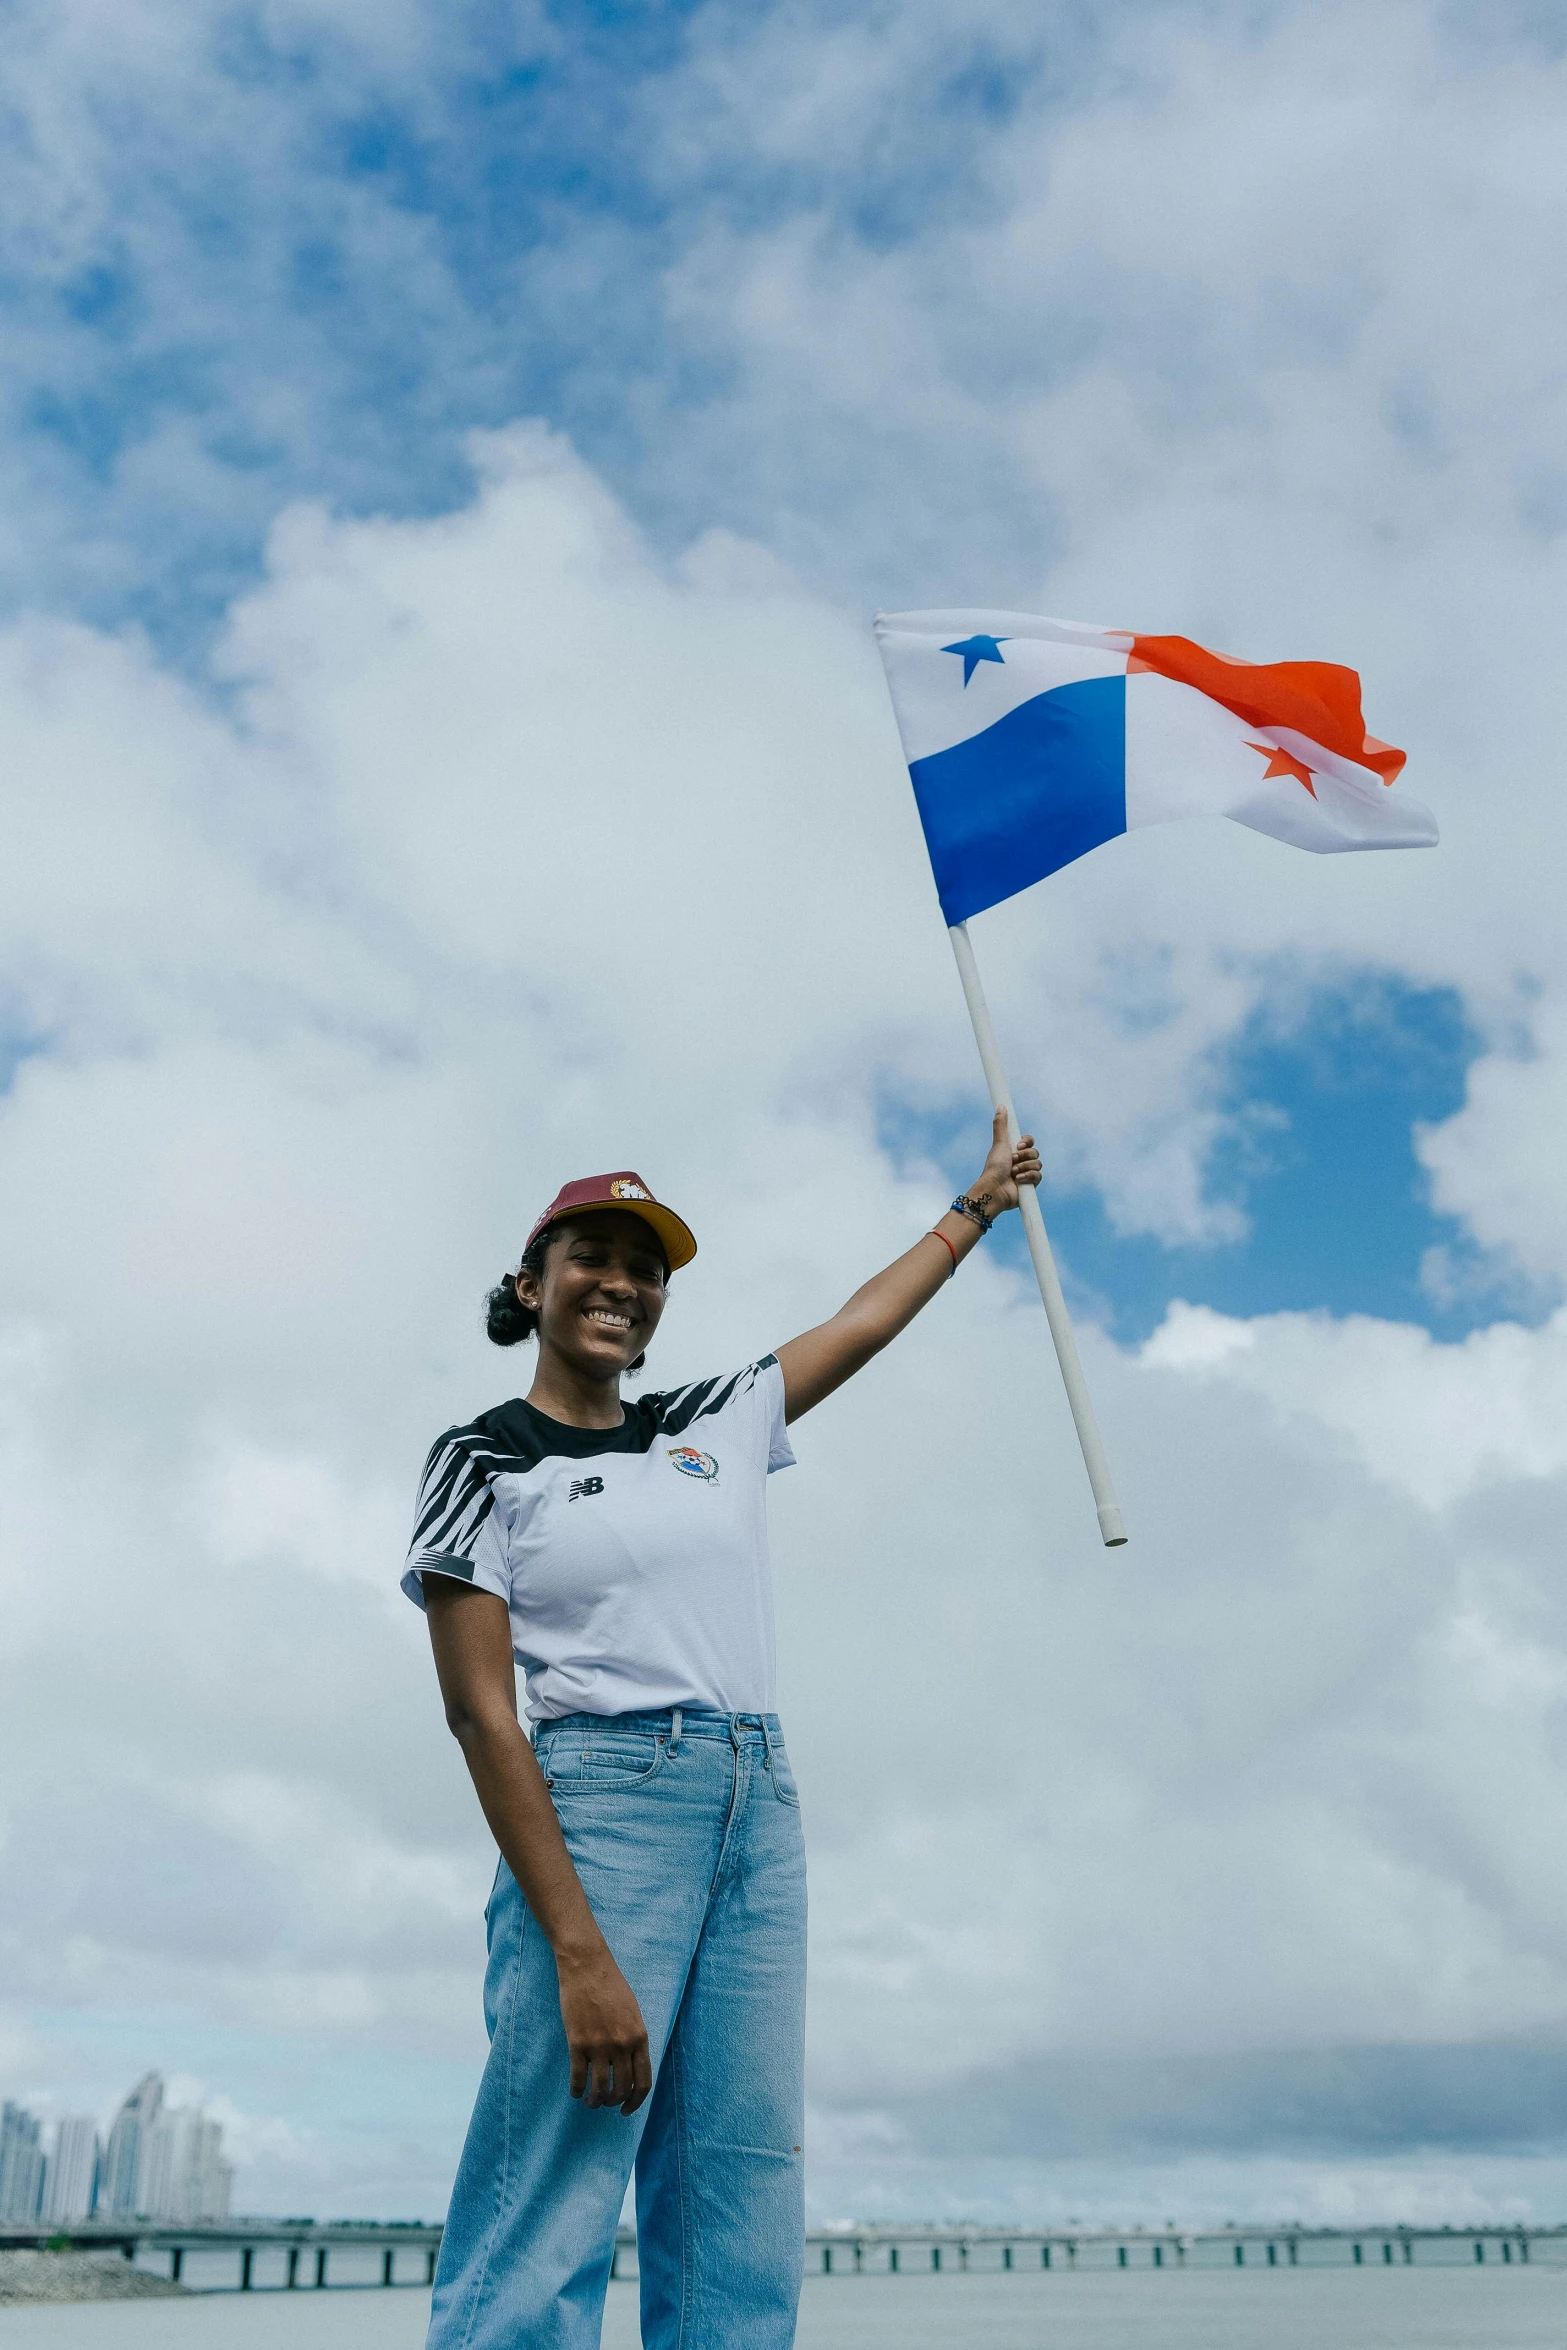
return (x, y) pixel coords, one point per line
(1284, 763)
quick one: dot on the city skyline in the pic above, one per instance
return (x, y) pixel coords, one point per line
(156, 2161)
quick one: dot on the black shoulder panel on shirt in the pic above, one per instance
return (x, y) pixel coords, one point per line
(681, 1405)
(455, 1496)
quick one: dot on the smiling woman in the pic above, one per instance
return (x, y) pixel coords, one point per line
(646, 1986)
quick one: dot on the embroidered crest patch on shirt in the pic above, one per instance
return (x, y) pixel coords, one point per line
(692, 1463)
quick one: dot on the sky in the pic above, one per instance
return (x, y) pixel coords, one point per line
(448, 462)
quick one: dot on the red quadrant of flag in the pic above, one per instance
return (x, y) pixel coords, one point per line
(1318, 699)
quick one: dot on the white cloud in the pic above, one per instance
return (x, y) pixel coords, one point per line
(1437, 1421)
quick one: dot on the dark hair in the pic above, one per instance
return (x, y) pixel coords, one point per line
(507, 1321)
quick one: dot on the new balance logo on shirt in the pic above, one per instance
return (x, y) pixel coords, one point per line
(580, 1486)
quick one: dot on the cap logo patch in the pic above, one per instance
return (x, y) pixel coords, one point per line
(692, 1463)
(625, 1190)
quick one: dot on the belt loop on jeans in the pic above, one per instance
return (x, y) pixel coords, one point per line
(675, 1719)
(767, 1740)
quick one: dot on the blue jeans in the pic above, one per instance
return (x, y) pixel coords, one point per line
(692, 1859)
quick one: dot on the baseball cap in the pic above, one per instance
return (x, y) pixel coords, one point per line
(626, 1190)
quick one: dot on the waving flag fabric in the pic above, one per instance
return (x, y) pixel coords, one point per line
(1032, 741)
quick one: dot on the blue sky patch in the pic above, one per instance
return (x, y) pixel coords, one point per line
(1324, 1090)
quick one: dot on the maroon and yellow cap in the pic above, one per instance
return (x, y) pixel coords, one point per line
(624, 1190)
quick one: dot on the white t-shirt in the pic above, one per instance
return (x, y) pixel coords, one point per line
(633, 1559)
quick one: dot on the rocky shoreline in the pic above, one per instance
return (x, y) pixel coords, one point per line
(78, 2276)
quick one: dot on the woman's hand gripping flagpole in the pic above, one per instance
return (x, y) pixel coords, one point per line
(1111, 1523)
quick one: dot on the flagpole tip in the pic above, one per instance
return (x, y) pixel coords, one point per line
(1111, 1525)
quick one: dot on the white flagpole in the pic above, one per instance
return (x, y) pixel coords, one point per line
(1111, 1523)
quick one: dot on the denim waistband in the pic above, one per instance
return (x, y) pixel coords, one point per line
(696, 1721)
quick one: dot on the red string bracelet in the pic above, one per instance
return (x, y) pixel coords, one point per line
(947, 1245)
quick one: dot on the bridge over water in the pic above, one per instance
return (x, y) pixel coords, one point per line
(290, 2255)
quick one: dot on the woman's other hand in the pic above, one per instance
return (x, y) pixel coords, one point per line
(470, 1632)
(605, 2033)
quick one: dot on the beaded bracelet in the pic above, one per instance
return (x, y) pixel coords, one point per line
(964, 1206)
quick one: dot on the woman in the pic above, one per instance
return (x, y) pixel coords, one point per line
(645, 1995)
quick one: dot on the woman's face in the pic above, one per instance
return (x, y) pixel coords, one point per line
(602, 1293)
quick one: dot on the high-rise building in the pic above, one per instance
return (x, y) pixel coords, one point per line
(184, 2175)
(211, 2178)
(71, 2175)
(164, 2162)
(21, 2163)
(119, 2193)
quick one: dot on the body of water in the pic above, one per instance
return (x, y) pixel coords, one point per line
(1285, 2309)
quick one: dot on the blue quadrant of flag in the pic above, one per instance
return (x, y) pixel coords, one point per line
(1026, 796)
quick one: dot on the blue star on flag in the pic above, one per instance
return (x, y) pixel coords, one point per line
(976, 649)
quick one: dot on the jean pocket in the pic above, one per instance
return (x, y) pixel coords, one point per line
(783, 1778)
(601, 1762)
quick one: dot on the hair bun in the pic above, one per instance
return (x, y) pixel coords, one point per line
(507, 1321)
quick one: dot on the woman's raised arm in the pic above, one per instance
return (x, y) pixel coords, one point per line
(821, 1359)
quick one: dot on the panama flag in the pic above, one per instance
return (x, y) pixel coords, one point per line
(1032, 741)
